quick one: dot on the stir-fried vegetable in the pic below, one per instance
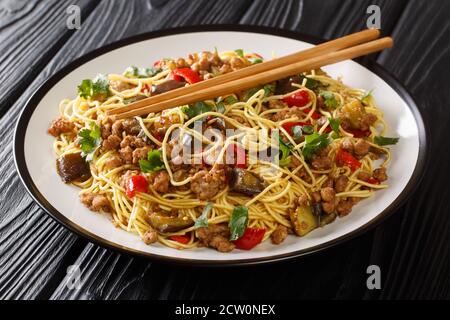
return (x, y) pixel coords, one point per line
(250, 238)
(136, 184)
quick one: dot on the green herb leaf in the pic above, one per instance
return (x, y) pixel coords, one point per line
(384, 141)
(231, 99)
(238, 222)
(311, 84)
(202, 221)
(255, 60)
(221, 107)
(285, 151)
(153, 162)
(330, 99)
(365, 98)
(269, 89)
(308, 129)
(96, 89)
(135, 72)
(297, 132)
(198, 108)
(313, 143)
(334, 124)
(90, 140)
(239, 52)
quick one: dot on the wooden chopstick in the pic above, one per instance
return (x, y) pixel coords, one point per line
(262, 78)
(330, 46)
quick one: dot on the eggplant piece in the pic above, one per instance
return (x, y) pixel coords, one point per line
(167, 86)
(285, 85)
(244, 181)
(165, 223)
(327, 219)
(303, 220)
(73, 167)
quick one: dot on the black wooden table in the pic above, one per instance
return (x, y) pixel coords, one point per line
(412, 248)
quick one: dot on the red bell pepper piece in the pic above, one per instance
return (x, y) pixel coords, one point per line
(146, 87)
(183, 239)
(189, 75)
(288, 126)
(298, 99)
(251, 55)
(250, 238)
(315, 115)
(238, 156)
(344, 158)
(359, 133)
(136, 184)
(373, 181)
(157, 63)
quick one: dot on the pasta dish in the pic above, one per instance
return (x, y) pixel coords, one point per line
(282, 158)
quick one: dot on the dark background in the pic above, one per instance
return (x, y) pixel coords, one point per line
(412, 247)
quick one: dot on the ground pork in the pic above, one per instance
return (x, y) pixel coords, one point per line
(206, 184)
(216, 236)
(380, 174)
(160, 181)
(279, 235)
(60, 125)
(95, 202)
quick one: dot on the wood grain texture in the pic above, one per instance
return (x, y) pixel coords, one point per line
(30, 34)
(411, 247)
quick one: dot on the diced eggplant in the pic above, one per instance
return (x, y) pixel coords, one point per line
(244, 181)
(303, 220)
(73, 167)
(167, 223)
(327, 219)
(167, 86)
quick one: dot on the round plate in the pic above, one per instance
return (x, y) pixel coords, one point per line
(35, 160)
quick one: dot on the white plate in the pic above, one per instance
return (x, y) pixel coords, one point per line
(35, 159)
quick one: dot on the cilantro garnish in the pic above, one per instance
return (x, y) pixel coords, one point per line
(313, 143)
(329, 99)
(135, 72)
(384, 141)
(202, 221)
(196, 109)
(90, 140)
(153, 162)
(96, 89)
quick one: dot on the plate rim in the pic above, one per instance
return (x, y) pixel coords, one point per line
(39, 93)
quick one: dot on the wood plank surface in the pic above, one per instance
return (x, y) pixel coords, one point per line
(411, 247)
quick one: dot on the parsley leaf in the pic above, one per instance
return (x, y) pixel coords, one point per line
(153, 162)
(268, 89)
(334, 124)
(313, 143)
(238, 222)
(90, 140)
(231, 99)
(135, 72)
(239, 52)
(285, 151)
(202, 221)
(384, 141)
(96, 89)
(330, 99)
(308, 129)
(196, 109)
(311, 84)
(365, 98)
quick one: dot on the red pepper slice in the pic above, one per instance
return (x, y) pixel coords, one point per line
(288, 126)
(315, 115)
(251, 55)
(250, 238)
(175, 77)
(184, 239)
(373, 181)
(146, 87)
(187, 73)
(238, 156)
(136, 184)
(298, 99)
(358, 133)
(344, 158)
(156, 63)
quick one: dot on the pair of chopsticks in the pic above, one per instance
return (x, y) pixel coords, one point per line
(347, 47)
